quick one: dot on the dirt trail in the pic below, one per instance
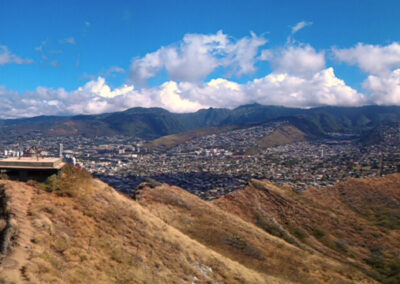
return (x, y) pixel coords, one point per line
(14, 264)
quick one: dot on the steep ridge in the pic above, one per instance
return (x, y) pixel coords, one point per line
(356, 222)
(242, 241)
(76, 229)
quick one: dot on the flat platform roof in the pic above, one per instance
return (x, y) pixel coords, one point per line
(32, 163)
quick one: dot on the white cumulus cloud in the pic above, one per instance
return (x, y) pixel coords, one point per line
(323, 88)
(384, 90)
(173, 98)
(382, 63)
(373, 59)
(242, 55)
(299, 60)
(197, 56)
(101, 89)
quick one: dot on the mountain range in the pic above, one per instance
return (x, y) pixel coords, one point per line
(151, 123)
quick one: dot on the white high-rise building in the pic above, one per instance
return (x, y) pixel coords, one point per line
(61, 150)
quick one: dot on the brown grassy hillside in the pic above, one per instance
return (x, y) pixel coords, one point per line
(76, 229)
(83, 231)
(242, 241)
(355, 222)
(283, 135)
(170, 141)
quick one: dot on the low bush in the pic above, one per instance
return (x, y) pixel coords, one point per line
(299, 233)
(274, 229)
(239, 243)
(388, 218)
(4, 176)
(385, 271)
(69, 182)
(319, 233)
(176, 201)
(342, 245)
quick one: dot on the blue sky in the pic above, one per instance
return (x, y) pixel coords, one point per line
(70, 57)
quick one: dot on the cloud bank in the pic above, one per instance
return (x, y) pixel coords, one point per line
(299, 77)
(96, 96)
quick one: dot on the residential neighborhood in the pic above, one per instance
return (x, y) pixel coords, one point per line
(214, 165)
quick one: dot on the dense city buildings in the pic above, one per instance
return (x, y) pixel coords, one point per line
(216, 164)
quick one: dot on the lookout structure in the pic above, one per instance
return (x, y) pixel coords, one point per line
(31, 165)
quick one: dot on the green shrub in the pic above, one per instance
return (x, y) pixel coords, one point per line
(342, 245)
(236, 242)
(69, 183)
(389, 219)
(4, 176)
(300, 233)
(241, 244)
(319, 233)
(385, 271)
(273, 229)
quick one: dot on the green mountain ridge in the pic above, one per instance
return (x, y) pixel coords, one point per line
(152, 123)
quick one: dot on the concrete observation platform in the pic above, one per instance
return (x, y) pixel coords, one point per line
(25, 168)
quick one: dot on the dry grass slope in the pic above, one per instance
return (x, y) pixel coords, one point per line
(76, 229)
(86, 232)
(283, 135)
(355, 222)
(243, 241)
(170, 141)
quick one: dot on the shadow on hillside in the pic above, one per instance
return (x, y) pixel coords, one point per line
(195, 182)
